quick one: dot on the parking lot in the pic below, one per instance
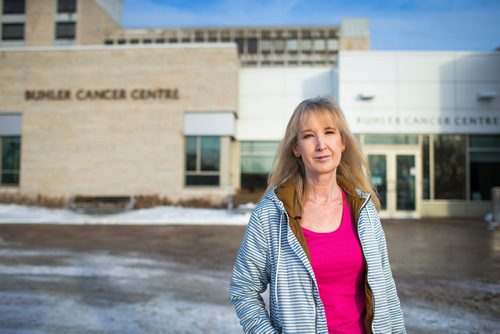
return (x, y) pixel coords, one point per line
(174, 278)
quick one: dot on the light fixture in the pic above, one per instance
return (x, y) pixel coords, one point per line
(366, 96)
(486, 95)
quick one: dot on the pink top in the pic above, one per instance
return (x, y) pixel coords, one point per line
(337, 262)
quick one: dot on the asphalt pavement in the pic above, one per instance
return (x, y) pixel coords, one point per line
(174, 278)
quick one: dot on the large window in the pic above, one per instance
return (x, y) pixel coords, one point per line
(378, 169)
(239, 44)
(256, 162)
(449, 167)
(10, 162)
(426, 168)
(14, 6)
(12, 31)
(252, 45)
(202, 160)
(484, 160)
(65, 30)
(66, 6)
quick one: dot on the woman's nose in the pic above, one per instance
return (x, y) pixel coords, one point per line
(320, 144)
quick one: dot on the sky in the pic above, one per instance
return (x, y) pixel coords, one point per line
(426, 25)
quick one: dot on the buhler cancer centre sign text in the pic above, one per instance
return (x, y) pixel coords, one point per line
(111, 94)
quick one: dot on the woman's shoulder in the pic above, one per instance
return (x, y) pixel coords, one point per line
(267, 209)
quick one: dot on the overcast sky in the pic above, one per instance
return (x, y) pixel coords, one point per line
(395, 24)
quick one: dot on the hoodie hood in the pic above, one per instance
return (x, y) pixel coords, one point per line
(286, 193)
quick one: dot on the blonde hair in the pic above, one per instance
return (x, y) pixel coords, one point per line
(352, 172)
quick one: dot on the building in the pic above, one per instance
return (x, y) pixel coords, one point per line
(88, 108)
(430, 125)
(264, 46)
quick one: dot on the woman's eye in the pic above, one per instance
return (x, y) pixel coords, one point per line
(308, 135)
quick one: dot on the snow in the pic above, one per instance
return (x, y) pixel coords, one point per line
(12, 213)
(141, 295)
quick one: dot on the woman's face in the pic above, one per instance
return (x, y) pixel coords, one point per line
(319, 145)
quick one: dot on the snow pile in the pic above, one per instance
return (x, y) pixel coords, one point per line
(11, 213)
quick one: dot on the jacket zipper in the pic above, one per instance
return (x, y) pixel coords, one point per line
(315, 306)
(364, 258)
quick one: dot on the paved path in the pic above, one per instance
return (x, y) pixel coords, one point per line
(173, 279)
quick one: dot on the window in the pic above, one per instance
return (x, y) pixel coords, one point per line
(212, 36)
(484, 159)
(391, 139)
(199, 36)
(65, 30)
(66, 6)
(265, 46)
(279, 45)
(252, 45)
(14, 6)
(449, 167)
(10, 150)
(378, 170)
(426, 163)
(239, 43)
(256, 162)
(225, 36)
(306, 45)
(319, 45)
(12, 31)
(202, 160)
(292, 45)
(332, 45)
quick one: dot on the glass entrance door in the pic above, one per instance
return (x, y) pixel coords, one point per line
(395, 177)
(405, 178)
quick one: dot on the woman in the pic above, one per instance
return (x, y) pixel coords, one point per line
(316, 239)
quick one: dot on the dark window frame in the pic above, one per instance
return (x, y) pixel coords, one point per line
(66, 6)
(198, 174)
(63, 32)
(8, 27)
(14, 7)
(13, 173)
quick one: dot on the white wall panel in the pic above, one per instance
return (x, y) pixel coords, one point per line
(384, 95)
(268, 97)
(425, 95)
(478, 67)
(425, 66)
(357, 66)
(209, 124)
(420, 92)
(467, 93)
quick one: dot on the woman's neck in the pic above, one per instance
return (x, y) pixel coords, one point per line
(322, 189)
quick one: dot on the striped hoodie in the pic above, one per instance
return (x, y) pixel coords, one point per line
(271, 256)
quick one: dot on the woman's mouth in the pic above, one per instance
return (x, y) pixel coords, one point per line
(322, 157)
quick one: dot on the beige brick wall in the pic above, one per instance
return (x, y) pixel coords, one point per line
(40, 22)
(94, 24)
(354, 43)
(120, 146)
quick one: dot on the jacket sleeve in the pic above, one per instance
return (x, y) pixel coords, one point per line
(250, 280)
(397, 321)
